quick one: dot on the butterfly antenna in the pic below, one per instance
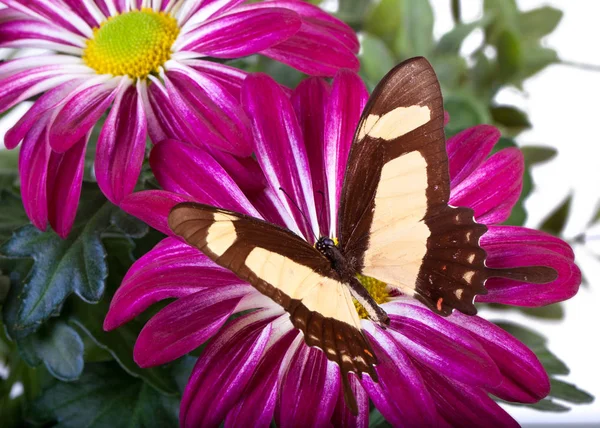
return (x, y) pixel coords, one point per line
(301, 212)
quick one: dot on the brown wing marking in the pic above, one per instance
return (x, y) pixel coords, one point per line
(230, 238)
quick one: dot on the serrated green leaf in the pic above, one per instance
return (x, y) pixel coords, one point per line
(58, 346)
(376, 420)
(545, 405)
(376, 59)
(61, 267)
(128, 224)
(106, 397)
(12, 214)
(119, 342)
(539, 22)
(535, 59)
(569, 392)
(556, 221)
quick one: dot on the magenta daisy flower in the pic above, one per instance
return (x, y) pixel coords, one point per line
(148, 60)
(432, 370)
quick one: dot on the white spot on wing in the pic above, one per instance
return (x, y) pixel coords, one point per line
(221, 234)
(395, 123)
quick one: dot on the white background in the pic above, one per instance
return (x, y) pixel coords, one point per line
(564, 106)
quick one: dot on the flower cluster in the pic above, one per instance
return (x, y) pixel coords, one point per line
(165, 81)
(432, 370)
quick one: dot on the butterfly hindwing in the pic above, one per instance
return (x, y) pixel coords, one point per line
(287, 269)
(395, 223)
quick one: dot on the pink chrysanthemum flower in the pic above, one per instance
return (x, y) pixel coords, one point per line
(432, 370)
(146, 59)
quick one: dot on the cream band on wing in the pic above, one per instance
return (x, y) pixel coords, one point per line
(221, 234)
(320, 294)
(398, 235)
(395, 123)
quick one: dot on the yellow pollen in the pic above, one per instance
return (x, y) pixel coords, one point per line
(378, 291)
(136, 43)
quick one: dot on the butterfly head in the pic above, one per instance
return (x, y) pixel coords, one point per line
(324, 245)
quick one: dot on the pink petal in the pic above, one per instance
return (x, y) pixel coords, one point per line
(186, 324)
(309, 390)
(224, 369)
(440, 345)
(493, 188)
(229, 77)
(65, 177)
(35, 31)
(212, 113)
(242, 33)
(524, 378)
(510, 247)
(121, 146)
(79, 115)
(342, 416)
(172, 269)
(463, 406)
(400, 394)
(346, 103)
(33, 171)
(310, 100)
(280, 149)
(468, 149)
(257, 405)
(153, 207)
(189, 170)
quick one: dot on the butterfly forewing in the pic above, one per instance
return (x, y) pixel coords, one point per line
(394, 220)
(287, 269)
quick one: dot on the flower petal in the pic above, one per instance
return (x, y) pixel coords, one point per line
(510, 247)
(493, 188)
(33, 171)
(37, 31)
(309, 389)
(400, 394)
(172, 269)
(257, 405)
(524, 378)
(229, 77)
(468, 149)
(310, 100)
(186, 324)
(65, 178)
(348, 98)
(437, 343)
(153, 207)
(189, 170)
(80, 113)
(229, 359)
(242, 33)
(463, 406)
(209, 110)
(342, 416)
(121, 146)
(280, 149)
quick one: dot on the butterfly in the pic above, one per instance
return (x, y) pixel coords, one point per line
(395, 224)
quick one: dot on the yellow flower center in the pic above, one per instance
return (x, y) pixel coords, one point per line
(135, 43)
(378, 291)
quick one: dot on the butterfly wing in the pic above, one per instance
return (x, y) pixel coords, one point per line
(395, 223)
(288, 270)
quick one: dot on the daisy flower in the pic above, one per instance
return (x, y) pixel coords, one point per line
(146, 60)
(432, 370)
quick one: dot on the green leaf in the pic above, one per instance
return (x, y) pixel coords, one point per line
(128, 224)
(512, 120)
(537, 154)
(539, 22)
(545, 405)
(384, 19)
(535, 59)
(450, 69)
(376, 420)
(106, 397)
(12, 214)
(119, 342)
(353, 12)
(58, 346)
(376, 59)
(61, 267)
(568, 392)
(503, 15)
(414, 35)
(510, 55)
(451, 42)
(556, 221)
(465, 110)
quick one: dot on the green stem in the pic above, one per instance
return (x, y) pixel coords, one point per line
(582, 65)
(456, 12)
